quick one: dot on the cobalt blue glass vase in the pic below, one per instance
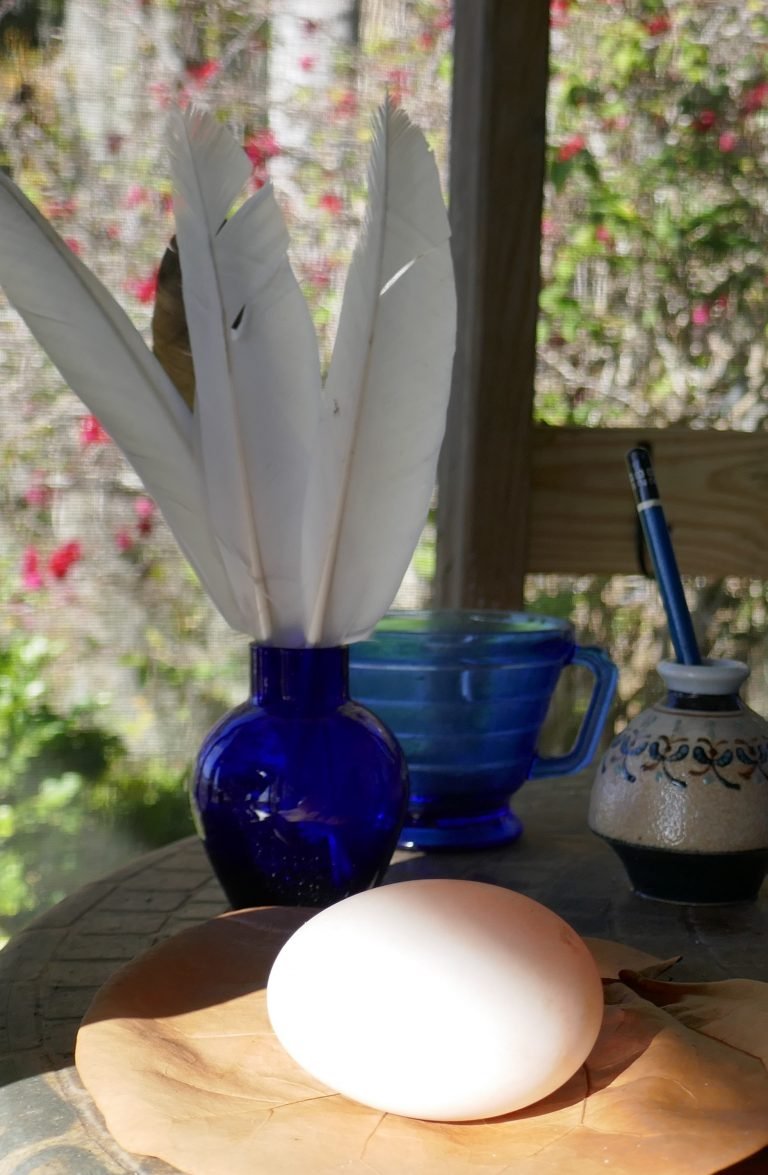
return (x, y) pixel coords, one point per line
(299, 794)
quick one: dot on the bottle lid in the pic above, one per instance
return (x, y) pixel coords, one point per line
(712, 677)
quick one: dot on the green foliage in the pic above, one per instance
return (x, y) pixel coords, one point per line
(47, 762)
(656, 217)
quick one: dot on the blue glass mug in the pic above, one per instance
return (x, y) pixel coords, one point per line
(466, 695)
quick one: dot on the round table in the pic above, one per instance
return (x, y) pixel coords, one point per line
(52, 969)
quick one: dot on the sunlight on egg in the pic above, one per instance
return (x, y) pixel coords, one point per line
(439, 999)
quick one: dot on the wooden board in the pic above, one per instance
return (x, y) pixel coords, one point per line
(497, 173)
(714, 486)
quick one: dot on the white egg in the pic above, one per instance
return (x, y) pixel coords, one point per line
(440, 999)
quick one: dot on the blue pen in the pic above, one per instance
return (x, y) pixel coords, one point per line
(656, 531)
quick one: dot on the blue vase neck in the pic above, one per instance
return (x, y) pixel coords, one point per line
(313, 680)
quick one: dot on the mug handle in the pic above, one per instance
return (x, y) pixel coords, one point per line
(581, 753)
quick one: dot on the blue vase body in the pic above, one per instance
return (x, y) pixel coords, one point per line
(299, 794)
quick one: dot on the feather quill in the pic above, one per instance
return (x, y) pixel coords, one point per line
(103, 358)
(386, 395)
(257, 372)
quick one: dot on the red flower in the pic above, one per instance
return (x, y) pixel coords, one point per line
(60, 209)
(143, 288)
(558, 13)
(307, 63)
(427, 40)
(63, 557)
(331, 203)
(755, 99)
(705, 120)
(443, 20)
(91, 432)
(658, 25)
(203, 71)
(604, 236)
(727, 142)
(73, 244)
(261, 146)
(571, 147)
(30, 570)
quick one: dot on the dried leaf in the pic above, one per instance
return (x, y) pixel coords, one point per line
(170, 336)
(179, 1056)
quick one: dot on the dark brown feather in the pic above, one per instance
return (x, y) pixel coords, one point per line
(170, 337)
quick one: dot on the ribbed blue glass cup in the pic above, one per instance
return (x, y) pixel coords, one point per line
(466, 694)
(299, 794)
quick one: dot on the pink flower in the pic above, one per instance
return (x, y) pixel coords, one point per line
(427, 40)
(135, 196)
(700, 314)
(161, 92)
(331, 203)
(73, 244)
(705, 120)
(38, 494)
(571, 147)
(307, 64)
(113, 232)
(143, 288)
(727, 142)
(345, 104)
(30, 570)
(203, 71)
(60, 560)
(91, 432)
(124, 540)
(548, 226)
(319, 275)
(605, 236)
(145, 510)
(397, 83)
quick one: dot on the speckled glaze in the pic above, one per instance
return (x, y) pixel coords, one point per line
(688, 778)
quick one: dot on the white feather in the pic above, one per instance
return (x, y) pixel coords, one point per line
(257, 384)
(386, 396)
(105, 361)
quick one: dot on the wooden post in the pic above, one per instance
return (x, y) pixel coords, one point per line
(497, 174)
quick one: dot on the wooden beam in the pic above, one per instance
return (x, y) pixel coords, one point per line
(497, 174)
(714, 486)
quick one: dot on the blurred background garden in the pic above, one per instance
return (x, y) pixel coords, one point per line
(654, 310)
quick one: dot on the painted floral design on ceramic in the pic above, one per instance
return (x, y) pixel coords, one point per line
(679, 759)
